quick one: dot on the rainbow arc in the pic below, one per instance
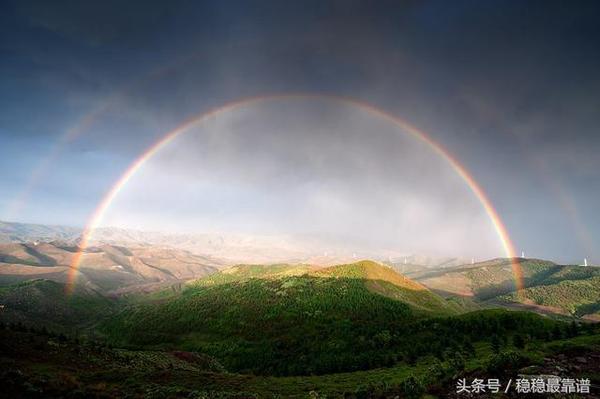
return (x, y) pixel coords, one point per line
(403, 125)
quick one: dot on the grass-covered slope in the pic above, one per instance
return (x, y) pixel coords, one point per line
(385, 281)
(45, 303)
(291, 325)
(577, 297)
(549, 288)
(342, 318)
(488, 279)
(246, 272)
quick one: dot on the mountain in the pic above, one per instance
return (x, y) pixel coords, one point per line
(385, 281)
(26, 232)
(239, 273)
(234, 248)
(259, 320)
(549, 287)
(487, 279)
(104, 267)
(231, 248)
(572, 297)
(377, 278)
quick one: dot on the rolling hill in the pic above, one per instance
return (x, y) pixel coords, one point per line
(258, 319)
(549, 287)
(105, 267)
(385, 281)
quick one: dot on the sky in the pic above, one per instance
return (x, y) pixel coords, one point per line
(509, 88)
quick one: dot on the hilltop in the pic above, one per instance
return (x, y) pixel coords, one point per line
(257, 319)
(385, 281)
(376, 277)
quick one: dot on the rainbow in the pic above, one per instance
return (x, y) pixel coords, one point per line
(197, 119)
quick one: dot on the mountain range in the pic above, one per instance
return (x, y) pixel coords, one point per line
(231, 248)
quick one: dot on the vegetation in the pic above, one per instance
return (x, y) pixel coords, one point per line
(46, 303)
(578, 297)
(355, 331)
(289, 326)
(42, 364)
(331, 321)
(561, 289)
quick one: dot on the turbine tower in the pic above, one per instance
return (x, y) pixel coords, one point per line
(522, 254)
(585, 261)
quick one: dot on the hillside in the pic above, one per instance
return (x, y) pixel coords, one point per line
(376, 277)
(260, 325)
(230, 248)
(549, 288)
(328, 325)
(105, 267)
(579, 297)
(11, 232)
(47, 365)
(258, 319)
(240, 273)
(385, 281)
(487, 279)
(45, 303)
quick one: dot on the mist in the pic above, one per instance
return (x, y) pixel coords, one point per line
(309, 169)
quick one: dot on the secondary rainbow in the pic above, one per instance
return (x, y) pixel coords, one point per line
(197, 119)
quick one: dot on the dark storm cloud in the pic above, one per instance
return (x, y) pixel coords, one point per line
(510, 87)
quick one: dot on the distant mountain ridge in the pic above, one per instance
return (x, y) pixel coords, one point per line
(230, 247)
(105, 267)
(11, 232)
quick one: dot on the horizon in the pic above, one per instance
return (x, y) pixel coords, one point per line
(381, 257)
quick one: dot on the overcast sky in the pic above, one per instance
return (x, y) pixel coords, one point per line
(509, 87)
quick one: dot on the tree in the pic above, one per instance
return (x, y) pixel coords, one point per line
(573, 330)
(469, 349)
(496, 345)
(412, 387)
(518, 341)
(557, 332)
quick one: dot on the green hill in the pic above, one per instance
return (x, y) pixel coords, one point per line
(291, 325)
(385, 281)
(246, 272)
(342, 318)
(45, 303)
(549, 288)
(488, 279)
(577, 297)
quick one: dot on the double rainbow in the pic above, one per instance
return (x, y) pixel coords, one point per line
(197, 119)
